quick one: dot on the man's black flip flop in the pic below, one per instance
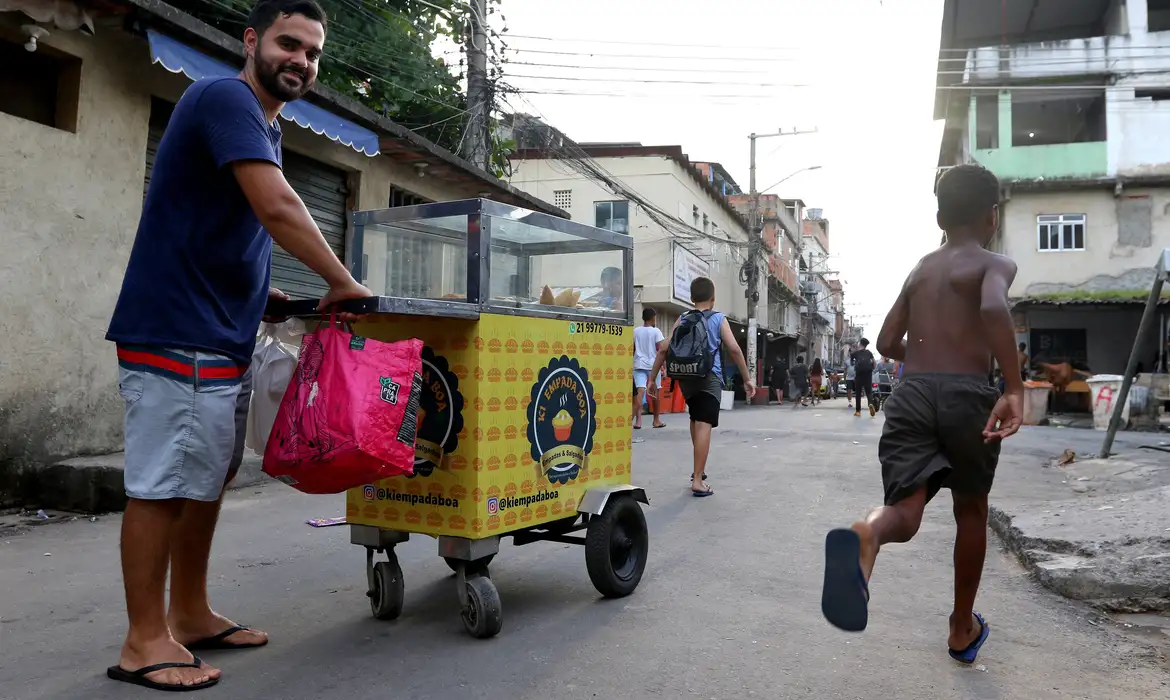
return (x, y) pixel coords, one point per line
(138, 677)
(845, 596)
(219, 641)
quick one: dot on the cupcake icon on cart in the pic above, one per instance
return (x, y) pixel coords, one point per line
(562, 420)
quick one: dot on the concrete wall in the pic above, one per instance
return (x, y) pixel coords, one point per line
(70, 204)
(1113, 259)
(662, 181)
(1135, 58)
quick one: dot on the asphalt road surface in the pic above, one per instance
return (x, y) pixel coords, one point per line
(729, 606)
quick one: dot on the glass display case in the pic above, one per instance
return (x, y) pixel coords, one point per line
(476, 255)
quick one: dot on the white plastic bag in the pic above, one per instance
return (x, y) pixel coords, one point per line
(273, 362)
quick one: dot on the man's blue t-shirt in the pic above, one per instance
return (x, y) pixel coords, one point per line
(199, 270)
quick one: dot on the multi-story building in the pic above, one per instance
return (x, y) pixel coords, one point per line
(780, 240)
(677, 211)
(837, 289)
(819, 318)
(1068, 104)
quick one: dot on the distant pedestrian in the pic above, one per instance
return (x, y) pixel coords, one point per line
(850, 381)
(648, 341)
(943, 425)
(864, 364)
(778, 379)
(701, 375)
(1022, 355)
(816, 375)
(800, 381)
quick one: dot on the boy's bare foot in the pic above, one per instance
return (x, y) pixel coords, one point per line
(208, 630)
(136, 655)
(869, 547)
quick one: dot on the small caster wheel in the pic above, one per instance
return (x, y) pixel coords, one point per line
(479, 566)
(388, 590)
(616, 545)
(482, 614)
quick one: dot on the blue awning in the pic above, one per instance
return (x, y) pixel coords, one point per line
(180, 58)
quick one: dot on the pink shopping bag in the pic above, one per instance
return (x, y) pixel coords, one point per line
(349, 415)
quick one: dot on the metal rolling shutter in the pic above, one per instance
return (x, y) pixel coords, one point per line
(325, 192)
(323, 189)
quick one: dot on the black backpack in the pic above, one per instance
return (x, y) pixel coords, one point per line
(689, 355)
(863, 361)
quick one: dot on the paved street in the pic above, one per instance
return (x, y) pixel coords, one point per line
(729, 607)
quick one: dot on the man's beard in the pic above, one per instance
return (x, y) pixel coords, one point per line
(282, 88)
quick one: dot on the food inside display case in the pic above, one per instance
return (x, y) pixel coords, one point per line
(554, 269)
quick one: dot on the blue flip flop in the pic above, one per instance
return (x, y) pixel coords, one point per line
(702, 494)
(967, 656)
(845, 596)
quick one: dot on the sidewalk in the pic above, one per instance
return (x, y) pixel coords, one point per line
(95, 484)
(1094, 530)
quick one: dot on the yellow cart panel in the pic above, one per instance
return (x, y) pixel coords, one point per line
(519, 417)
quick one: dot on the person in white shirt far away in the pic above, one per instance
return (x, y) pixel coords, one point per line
(647, 341)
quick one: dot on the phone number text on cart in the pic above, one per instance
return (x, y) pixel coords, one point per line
(596, 328)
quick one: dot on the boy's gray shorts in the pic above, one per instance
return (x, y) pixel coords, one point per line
(186, 419)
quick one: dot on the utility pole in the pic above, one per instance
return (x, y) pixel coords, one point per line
(477, 138)
(755, 245)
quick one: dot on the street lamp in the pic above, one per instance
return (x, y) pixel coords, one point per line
(791, 175)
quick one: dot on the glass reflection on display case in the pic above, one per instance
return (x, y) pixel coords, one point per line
(498, 257)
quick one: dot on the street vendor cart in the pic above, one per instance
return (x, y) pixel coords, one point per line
(524, 421)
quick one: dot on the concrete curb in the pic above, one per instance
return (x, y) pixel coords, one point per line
(1127, 575)
(95, 484)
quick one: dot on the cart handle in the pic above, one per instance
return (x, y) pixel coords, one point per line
(307, 308)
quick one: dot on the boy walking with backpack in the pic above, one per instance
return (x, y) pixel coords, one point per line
(693, 359)
(944, 424)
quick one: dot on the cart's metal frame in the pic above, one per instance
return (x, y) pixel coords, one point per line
(467, 551)
(480, 244)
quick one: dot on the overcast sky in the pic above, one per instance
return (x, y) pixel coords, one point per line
(861, 72)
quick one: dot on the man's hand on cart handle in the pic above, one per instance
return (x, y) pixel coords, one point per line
(275, 294)
(348, 289)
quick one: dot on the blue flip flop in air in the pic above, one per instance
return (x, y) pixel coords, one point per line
(845, 597)
(967, 656)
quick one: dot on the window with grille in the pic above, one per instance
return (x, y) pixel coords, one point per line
(1060, 232)
(563, 198)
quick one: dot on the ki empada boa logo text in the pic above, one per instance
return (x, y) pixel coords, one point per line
(562, 419)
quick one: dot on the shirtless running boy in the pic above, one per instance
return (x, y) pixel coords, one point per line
(944, 424)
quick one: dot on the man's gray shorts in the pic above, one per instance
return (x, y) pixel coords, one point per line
(186, 419)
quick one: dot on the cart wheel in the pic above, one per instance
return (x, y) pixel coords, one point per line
(388, 592)
(616, 545)
(483, 615)
(479, 566)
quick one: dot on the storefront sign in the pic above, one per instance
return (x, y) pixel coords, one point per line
(687, 266)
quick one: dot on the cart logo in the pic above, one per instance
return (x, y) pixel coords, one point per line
(440, 414)
(493, 505)
(390, 390)
(562, 419)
